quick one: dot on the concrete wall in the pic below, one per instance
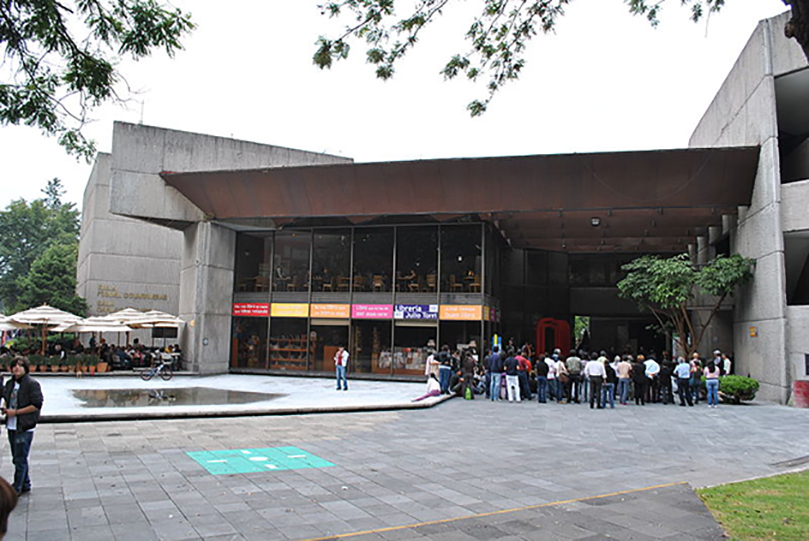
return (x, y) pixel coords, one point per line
(124, 262)
(201, 253)
(798, 341)
(744, 113)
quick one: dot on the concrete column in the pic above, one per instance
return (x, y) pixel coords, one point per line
(692, 252)
(702, 250)
(206, 294)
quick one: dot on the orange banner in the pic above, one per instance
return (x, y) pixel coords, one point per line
(331, 311)
(283, 309)
(460, 312)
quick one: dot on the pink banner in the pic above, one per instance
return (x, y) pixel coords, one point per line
(372, 311)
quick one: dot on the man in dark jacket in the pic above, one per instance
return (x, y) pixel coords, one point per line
(23, 401)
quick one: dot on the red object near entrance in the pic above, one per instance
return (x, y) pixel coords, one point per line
(561, 335)
(800, 390)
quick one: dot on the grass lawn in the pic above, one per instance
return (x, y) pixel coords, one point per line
(772, 508)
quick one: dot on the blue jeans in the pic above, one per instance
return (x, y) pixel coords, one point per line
(608, 393)
(341, 375)
(444, 375)
(20, 443)
(713, 391)
(542, 389)
(695, 385)
(494, 389)
(623, 389)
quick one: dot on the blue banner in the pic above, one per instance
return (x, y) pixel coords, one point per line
(415, 311)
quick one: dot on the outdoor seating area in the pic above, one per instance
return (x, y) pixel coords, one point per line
(51, 339)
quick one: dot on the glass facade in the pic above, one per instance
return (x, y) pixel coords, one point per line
(300, 294)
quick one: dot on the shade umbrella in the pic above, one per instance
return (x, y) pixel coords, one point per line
(156, 319)
(95, 324)
(8, 325)
(44, 316)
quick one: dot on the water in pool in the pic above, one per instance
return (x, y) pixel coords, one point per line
(180, 396)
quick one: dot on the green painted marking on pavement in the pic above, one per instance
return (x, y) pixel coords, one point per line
(233, 461)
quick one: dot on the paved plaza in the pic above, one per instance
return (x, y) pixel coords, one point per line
(461, 470)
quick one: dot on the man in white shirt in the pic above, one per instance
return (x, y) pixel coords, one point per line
(340, 367)
(653, 374)
(595, 373)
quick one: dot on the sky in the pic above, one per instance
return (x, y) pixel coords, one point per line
(605, 81)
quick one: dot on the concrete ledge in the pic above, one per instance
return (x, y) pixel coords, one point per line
(163, 414)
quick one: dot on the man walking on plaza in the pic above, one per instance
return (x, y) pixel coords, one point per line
(23, 401)
(512, 379)
(574, 368)
(624, 371)
(542, 379)
(340, 367)
(683, 374)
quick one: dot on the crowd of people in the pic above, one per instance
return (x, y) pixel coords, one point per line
(597, 378)
(119, 357)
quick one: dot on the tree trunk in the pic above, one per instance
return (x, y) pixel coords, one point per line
(798, 26)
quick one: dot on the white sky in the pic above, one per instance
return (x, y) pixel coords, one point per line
(605, 81)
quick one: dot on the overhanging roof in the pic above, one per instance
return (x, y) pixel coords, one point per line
(658, 199)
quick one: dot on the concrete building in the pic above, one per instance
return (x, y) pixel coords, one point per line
(279, 265)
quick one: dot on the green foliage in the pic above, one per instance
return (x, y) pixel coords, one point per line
(60, 58)
(29, 229)
(52, 280)
(666, 286)
(497, 38)
(736, 389)
(762, 509)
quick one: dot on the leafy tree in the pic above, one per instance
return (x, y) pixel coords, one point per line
(29, 229)
(52, 280)
(60, 58)
(497, 37)
(667, 287)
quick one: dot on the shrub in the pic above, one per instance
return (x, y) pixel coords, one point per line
(735, 389)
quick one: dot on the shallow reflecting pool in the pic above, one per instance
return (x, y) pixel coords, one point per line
(181, 396)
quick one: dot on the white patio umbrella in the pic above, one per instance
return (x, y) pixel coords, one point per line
(44, 316)
(157, 319)
(94, 324)
(125, 317)
(7, 325)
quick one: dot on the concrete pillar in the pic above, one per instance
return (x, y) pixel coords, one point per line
(692, 252)
(702, 250)
(714, 235)
(206, 294)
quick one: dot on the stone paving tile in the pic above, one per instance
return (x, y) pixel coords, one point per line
(133, 480)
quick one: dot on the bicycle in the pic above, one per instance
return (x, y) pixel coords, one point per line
(161, 369)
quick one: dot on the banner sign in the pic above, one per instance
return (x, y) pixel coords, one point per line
(284, 309)
(251, 309)
(331, 311)
(372, 311)
(461, 312)
(415, 311)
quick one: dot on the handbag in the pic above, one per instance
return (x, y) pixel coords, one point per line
(563, 377)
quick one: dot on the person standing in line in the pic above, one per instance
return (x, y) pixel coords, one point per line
(639, 379)
(574, 367)
(653, 377)
(553, 390)
(468, 370)
(683, 373)
(624, 371)
(666, 373)
(727, 365)
(695, 383)
(22, 396)
(340, 367)
(712, 383)
(444, 368)
(542, 379)
(595, 374)
(512, 379)
(562, 382)
(494, 364)
(610, 381)
(717, 361)
(523, 369)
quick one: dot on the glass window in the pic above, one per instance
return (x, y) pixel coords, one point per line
(249, 342)
(288, 344)
(370, 347)
(253, 254)
(373, 259)
(325, 340)
(412, 346)
(460, 335)
(291, 261)
(461, 254)
(416, 259)
(331, 260)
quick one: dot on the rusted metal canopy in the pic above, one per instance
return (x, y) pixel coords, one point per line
(661, 198)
